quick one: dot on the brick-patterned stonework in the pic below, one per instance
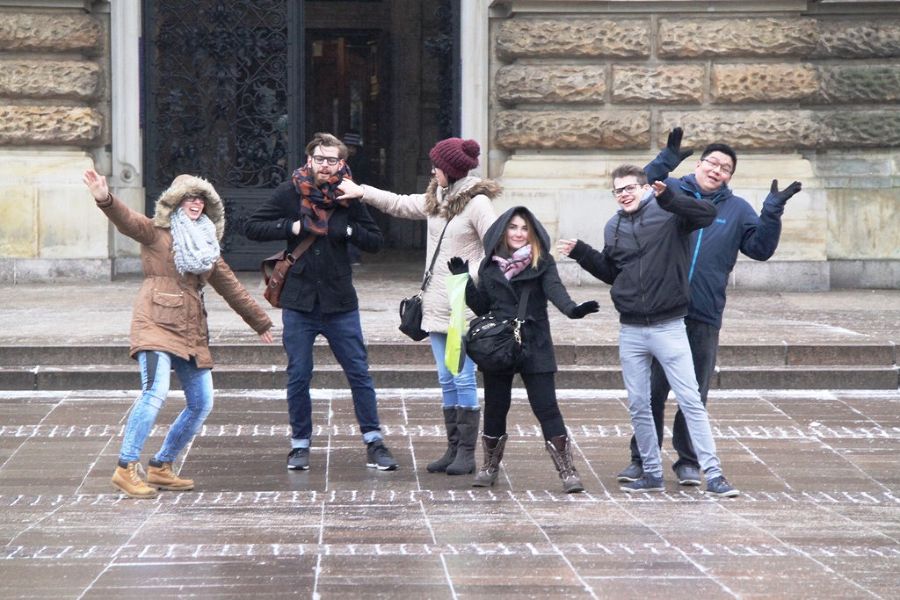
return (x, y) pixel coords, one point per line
(51, 79)
(718, 71)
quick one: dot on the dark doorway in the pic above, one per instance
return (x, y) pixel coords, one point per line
(232, 90)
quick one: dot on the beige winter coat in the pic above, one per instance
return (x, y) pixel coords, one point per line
(469, 203)
(168, 311)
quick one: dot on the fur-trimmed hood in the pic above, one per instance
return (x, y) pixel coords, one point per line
(459, 194)
(189, 185)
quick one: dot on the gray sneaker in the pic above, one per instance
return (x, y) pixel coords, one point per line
(687, 474)
(379, 457)
(630, 473)
(719, 486)
(646, 483)
(298, 459)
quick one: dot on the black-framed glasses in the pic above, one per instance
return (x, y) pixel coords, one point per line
(717, 166)
(626, 189)
(321, 160)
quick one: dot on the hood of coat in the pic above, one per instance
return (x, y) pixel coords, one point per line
(182, 187)
(495, 233)
(458, 195)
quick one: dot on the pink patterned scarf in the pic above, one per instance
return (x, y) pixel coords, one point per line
(514, 265)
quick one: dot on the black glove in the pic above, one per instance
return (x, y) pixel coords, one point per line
(673, 145)
(458, 266)
(585, 308)
(783, 196)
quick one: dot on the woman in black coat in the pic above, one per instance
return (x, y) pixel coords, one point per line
(517, 258)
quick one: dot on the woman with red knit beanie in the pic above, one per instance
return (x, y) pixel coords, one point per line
(459, 206)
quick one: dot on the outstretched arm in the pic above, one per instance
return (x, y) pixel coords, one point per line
(695, 213)
(596, 263)
(129, 222)
(761, 235)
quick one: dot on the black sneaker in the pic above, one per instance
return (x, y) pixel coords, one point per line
(298, 459)
(630, 473)
(645, 483)
(379, 457)
(687, 475)
(719, 486)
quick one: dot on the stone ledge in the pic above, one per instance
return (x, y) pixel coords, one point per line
(65, 125)
(582, 38)
(33, 32)
(79, 80)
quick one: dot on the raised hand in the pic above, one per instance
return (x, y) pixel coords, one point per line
(96, 183)
(565, 247)
(673, 144)
(585, 308)
(659, 188)
(458, 266)
(783, 196)
(350, 189)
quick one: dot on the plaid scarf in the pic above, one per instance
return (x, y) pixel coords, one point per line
(317, 203)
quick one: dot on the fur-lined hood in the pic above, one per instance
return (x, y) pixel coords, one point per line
(460, 192)
(189, 185)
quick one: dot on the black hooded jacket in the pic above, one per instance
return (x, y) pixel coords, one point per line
(495, 293)
(645, 256)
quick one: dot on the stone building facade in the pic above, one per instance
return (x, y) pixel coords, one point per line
(558, 92)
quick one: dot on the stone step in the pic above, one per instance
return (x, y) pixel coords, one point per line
(75, 377)
(763, 355)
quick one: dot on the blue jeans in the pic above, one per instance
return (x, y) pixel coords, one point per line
(704, 341)
(459, 390)
(667, 342)
(156, 368)
(344, 335)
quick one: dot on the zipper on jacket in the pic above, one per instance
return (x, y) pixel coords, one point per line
(640, 269)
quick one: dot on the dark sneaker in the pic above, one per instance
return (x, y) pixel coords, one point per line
(379, 457)
(630, 473)
(719, 486)
(298, 459)
(687, 475)
(645, 483)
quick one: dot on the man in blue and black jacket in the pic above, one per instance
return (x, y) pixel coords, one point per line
(713, 253)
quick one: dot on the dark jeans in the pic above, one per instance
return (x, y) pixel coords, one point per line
(344, 335)
(541, 389)
(704, 341)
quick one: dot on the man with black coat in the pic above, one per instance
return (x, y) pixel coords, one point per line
(318, 295)
(645, 259)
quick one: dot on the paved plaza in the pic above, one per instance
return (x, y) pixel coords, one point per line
(819, 516)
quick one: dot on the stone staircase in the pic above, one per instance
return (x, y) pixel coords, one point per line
(410, 365)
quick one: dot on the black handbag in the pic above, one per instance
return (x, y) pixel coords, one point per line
(411, 307)
(496, 344)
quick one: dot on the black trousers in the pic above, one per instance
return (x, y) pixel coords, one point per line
(541, 389)
(704, 341)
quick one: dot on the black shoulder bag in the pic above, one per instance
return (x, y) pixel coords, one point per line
(496, 345)
(411, 307)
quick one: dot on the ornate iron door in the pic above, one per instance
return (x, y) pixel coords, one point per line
(223, 100)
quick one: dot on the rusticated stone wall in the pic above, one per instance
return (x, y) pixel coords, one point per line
(761, 83)
(51, 79)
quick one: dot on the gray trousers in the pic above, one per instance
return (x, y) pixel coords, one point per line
(667, 342)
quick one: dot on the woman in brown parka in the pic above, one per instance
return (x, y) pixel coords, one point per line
(179, 255)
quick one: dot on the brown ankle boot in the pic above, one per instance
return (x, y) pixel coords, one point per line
(493, 454)
(127, 480)
(560, 449)
(164, 478)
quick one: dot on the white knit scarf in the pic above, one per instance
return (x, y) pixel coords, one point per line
(196, 246)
